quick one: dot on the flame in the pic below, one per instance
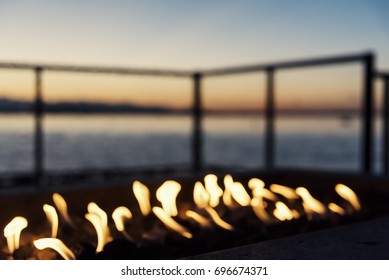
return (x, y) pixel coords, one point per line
(200, 195)
(336, 209)
(257, 187)
(52, 216)
(167, 220)
(285, 191)
(119, 215)
(142, 195)
(55, 244)
(12, 232)
(202, 221)
(238, 192)
(348, 194)
(282, 212)
(256, 183)
(217, 220)
(258, 206)
(99, 220)
(311, 205)
(227, 197)
(62, 207)
(167, 194)
(212, 187)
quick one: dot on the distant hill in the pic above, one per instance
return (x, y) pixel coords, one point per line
(18, 106)
(10, 105)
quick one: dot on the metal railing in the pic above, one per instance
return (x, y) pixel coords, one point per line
(384, 76)
(366, 59)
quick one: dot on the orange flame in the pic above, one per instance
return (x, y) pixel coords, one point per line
(282, 212)
(217, 220)
(256, 183)
(258, 206)
(347, 194)
(257, 187)
(52, 216)
(142, 195)
(168, 221)
(213, 189)
(237, 190)
(99, 220)
(202, 221)
(12, 232)
(227, 197)
(311, 205)
(285, 191)
(336, 209)
(119, 216)
(55, 244)
(200, 195)
(62, 207)
(167, 194)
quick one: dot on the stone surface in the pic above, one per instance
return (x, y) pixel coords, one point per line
(365, 240)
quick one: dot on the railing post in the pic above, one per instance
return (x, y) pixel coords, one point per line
(38, 140)
(368, 114)
(269, 120)
(385, 122)
(197, 160)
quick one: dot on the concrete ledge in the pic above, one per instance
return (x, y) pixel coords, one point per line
(365, 240)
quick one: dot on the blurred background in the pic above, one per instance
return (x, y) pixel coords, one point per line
(101, 121)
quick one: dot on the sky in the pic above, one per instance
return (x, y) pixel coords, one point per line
(188, 35)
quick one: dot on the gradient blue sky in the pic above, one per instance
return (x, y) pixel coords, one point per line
(188, 34)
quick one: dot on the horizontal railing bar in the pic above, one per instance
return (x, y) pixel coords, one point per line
(382, 74)
(183, 73)
(285, 65)
(97, 69)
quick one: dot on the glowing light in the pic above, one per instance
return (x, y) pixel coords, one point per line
(287, 192)
(167, 194)
(55, 244)
(52, 216)
(217, 220)
(311, 205)
(119, 216)
(12, 232)
(201, 220)
(168, 221)
(238, 192)
(258, 206)
(256, 183)
(62, 207)
(142, 195)
(99, 220)
(227, 197)
(200, 195)
(336, 209)
(348, 194)
(257, 187)
(212, 187)
(282, 212)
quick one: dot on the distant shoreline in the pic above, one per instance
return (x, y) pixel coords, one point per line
(9, 106)
(344, 116)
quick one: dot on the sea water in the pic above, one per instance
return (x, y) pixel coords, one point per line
(73, 142)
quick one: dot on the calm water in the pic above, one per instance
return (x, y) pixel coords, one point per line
(74, 141)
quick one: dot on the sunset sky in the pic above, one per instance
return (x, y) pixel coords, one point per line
(191, 35)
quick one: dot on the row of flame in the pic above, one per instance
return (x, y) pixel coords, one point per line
(206, 196)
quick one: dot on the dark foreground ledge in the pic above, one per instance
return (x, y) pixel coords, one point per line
(366, 241)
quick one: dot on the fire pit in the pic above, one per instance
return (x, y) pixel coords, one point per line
(174, 218)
